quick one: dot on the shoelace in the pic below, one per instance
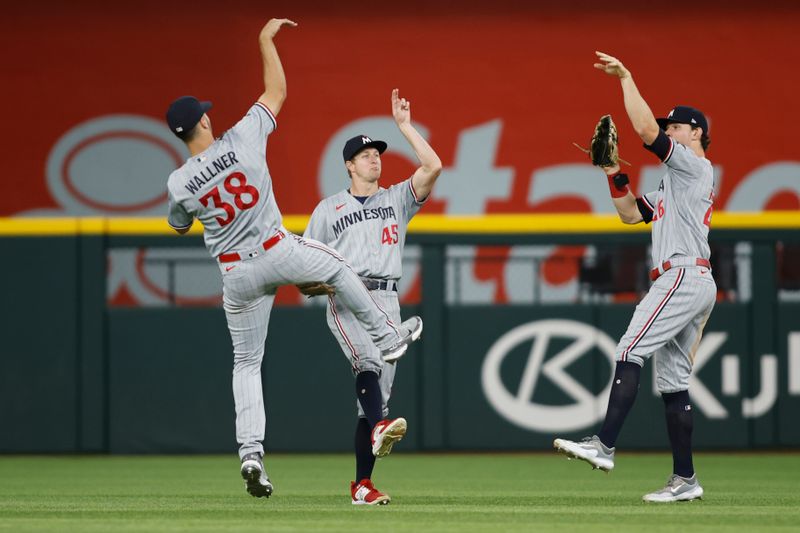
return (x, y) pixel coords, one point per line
(675, 481)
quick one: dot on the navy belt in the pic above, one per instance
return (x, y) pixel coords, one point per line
(380, 284)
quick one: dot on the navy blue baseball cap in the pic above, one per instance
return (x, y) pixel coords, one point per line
(359, 143)
(683, 114)
(184, 114)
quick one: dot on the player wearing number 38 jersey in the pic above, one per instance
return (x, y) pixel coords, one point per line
(227, 186)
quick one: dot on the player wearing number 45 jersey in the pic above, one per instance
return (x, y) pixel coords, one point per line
(367, 225)
(227, 186)
(669, 321)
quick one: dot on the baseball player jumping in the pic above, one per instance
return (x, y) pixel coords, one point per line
(367, 224)
(669, 321)
(227, 186)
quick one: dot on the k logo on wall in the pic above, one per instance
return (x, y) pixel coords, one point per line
(516, 403)
(552, 352)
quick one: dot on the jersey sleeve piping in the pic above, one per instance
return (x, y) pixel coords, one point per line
(414, 193)
(645, 209)
(647, 203)
(269, 114)
(173, 226)
(671, 150)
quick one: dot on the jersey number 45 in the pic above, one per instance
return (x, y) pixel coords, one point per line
(389, 235)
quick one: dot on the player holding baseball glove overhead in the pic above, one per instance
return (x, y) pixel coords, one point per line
(669, 321)
(367, 224)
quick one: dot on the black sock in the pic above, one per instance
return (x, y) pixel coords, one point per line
(368, 392)
(678, 410)
(620, 401)
(365, 461)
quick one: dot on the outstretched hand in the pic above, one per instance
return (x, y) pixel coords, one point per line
(273, 26)
(611, 66)
(401, 108)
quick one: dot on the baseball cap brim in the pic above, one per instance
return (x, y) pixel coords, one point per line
(664, 122)
(378, 145)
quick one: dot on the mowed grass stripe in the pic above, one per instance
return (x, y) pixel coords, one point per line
(439, 492)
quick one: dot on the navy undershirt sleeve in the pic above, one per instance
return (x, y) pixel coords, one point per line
(644, 209)
(662, 146)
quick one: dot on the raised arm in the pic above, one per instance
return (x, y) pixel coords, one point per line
(430, 164)
(274, 78)
(639, 112)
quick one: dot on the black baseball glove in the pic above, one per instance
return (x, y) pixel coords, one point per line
(603, 148)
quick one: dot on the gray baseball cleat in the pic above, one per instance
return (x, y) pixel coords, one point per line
(409, 330)
(678, 489)
(255, 477)
(589, 449)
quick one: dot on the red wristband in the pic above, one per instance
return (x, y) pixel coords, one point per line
(617, 192)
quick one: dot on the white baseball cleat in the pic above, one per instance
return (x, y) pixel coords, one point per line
(385, 434)
(589, 449)
(677, 489)
(410, 330)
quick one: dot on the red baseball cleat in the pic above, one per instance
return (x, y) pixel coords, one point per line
(364, 493)
(385, 434)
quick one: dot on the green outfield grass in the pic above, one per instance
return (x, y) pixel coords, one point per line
(449, 492)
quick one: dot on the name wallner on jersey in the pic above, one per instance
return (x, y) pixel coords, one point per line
(212, 169)
(345, 221)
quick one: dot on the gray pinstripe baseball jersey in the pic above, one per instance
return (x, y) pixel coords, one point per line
(371, 236)
(228, 188)
(681, 207)
(669, 321)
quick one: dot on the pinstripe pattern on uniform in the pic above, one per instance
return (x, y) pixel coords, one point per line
(368, 357)
(243, 149)
(359, 287)
(229, 189)
(679, 206)
(269, 113)
(319, 246)
(248, 295)
(357, 231)
(676, 308)
(668, 322)
(248, 327)
(654, 315)
(674, 360)
(343, 333)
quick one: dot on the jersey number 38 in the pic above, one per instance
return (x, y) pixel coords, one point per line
(239, 191)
